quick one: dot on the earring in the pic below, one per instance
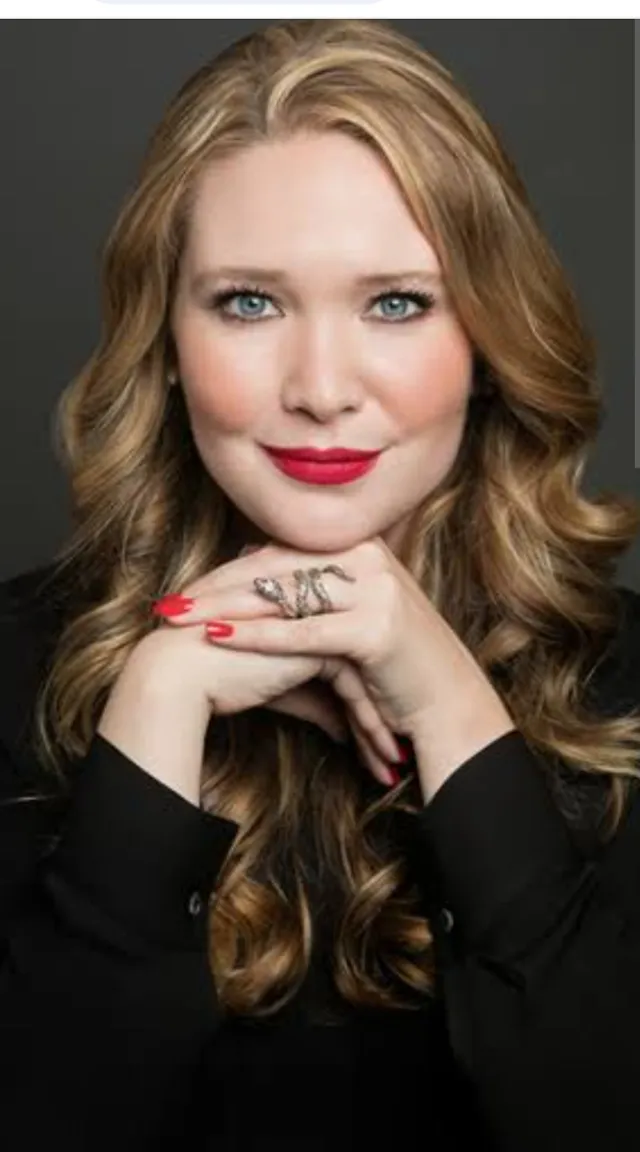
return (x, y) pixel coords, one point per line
(172, 377)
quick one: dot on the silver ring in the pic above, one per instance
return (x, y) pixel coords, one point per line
(307, 580)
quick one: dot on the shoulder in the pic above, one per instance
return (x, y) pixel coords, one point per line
(30, 618)
(610, 688)
(629, 601)
(615, 683)
(31, 589)
(30, 615)
(32, 800)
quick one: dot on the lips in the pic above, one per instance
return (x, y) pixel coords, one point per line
(322, 456)
(323, 472)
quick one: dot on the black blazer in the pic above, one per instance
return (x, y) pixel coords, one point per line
(110, 1034)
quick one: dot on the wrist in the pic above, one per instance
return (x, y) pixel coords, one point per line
(444, 741)
(158, 721)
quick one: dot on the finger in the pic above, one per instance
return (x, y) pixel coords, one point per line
(336, 633)
(296, 704)
(237, 603)
(231, 591)
(375, 763)
(232, 574)
(348, 684)
(241, 601)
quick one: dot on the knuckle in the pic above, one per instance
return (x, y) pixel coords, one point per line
(378, 644)
(308, 629)
(387, 585)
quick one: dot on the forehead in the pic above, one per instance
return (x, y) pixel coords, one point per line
(310, 197)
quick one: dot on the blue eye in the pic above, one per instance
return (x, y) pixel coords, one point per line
(405, 297)
(424, 302)
(242, 296)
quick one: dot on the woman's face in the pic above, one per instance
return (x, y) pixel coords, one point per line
(323, 361)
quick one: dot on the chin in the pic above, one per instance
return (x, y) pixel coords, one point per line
(314, 539)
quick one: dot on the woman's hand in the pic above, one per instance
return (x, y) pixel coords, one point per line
(231, 682)
(384, 647)
(316, 701)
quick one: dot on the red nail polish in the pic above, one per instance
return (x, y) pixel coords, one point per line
(217, 629)
(172, 605)
(395, 775)
(405, 748)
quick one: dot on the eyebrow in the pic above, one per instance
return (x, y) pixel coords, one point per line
(277, 276)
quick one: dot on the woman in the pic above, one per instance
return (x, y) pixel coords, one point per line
(230, 919)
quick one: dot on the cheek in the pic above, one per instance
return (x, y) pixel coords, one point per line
(217, 390)
(435, 386)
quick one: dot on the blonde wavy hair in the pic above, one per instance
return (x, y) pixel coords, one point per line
(148, 519)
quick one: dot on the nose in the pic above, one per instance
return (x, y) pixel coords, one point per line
(322, 379)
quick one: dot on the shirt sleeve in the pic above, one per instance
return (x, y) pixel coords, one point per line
(106, 997)
(538, 953)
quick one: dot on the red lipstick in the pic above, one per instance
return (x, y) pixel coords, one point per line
(323, 466)
(325, 455)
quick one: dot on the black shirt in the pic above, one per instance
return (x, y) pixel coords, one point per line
(110, 1034)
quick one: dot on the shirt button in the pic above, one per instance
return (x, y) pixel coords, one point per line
(195, 904)
(446, 918)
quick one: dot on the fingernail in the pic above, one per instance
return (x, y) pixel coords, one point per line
(394, 774)
(172, 605)
(216, 629)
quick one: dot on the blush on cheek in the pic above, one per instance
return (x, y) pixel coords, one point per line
(217, 396)
(429, 402)
(435, 390)
(222, 389)
(222, 402)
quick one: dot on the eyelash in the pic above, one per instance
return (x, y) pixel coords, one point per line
(425, 300)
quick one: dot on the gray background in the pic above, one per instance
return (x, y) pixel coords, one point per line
(78, 99)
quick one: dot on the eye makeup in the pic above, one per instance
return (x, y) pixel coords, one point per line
(425, 301)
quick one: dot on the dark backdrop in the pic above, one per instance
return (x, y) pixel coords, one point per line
(78, 99)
